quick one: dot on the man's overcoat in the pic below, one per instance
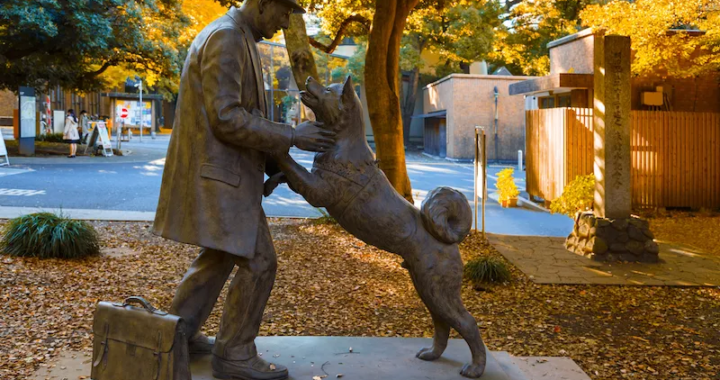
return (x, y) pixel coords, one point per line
(213, 179)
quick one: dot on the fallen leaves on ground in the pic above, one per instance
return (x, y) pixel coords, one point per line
(329, 283)
(696, 229)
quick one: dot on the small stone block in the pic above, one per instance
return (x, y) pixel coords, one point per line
(635, 247)
(618, 247)
(652, 247)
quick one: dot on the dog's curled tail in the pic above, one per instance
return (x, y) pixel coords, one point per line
(446, 214)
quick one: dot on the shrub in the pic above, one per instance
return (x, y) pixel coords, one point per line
(47, 235)
(486, 269)
(52, 137)
(578, 195)
(506, 185)
(326, 218)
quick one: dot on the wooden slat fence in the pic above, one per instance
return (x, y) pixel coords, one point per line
(558, 145)
(675, 155)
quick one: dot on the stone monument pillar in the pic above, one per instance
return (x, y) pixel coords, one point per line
(609, 232)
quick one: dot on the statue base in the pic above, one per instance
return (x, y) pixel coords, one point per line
(330, 358)
(383, 358)
(603, 239)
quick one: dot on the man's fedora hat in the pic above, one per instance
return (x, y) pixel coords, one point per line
(294, 5)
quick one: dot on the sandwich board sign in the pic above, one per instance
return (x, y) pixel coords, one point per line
(104, 139)
(100, 133)
(3, 152)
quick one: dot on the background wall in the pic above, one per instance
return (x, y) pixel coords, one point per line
(470, 101)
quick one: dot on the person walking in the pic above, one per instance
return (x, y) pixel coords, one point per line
(70, 133)
(212, 184)
(84, 126)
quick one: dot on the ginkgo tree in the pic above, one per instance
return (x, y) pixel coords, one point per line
(669, 37)
(529, 25)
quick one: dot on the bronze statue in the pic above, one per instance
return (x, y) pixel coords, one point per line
(213, 183)
(348, 183)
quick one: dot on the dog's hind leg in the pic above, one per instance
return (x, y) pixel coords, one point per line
(439, 285)
(464, 323)
(440, 340)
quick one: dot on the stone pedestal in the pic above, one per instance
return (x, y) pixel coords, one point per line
(604, 239)
(355, 358)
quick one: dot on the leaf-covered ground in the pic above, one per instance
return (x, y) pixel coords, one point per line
(697, 229)
(329, 283)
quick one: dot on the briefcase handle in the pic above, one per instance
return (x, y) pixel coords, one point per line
(140, 300)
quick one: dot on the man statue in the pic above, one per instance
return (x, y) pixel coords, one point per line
(212, 185)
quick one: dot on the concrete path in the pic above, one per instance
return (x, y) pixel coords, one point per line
(360, 359)
(546, 261)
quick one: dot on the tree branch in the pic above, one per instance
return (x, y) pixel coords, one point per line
(101, 70)
(339, 36)
(511, 3)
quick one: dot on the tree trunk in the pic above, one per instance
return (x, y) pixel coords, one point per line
(382, 68)
(409, 103)
(302, 61)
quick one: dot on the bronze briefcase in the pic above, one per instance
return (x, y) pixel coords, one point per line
(138, 343)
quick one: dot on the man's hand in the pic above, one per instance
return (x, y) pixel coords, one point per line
(309, 135)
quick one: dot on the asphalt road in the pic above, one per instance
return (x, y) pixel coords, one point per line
(132, 183)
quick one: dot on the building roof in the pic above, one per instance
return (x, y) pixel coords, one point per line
(477, 77)
(436, 114)
(553, 82)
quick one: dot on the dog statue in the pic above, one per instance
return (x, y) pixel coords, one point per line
(348, 183)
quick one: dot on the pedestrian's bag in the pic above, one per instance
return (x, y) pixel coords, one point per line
(138, 343)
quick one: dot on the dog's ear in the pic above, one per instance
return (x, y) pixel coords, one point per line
(348, 92)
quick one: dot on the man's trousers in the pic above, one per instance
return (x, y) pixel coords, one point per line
(246, 299)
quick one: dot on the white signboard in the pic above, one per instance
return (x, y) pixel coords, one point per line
(103, 134)
(3, 152)
(58, 121)
(27, 116)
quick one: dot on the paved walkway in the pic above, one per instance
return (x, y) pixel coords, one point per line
(546, 261)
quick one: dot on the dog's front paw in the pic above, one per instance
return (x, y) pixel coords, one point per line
(473, 371)
(273, 183)
(428, 353)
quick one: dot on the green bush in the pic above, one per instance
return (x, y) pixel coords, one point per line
(47, 235)
(326, 218)
(52, 137)
(577, 196)
(486, 269)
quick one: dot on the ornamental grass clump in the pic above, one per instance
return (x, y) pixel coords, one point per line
(485, 269)
(46, 235)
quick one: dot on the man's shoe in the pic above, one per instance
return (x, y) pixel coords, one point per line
(201, 344)
(254, 368)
